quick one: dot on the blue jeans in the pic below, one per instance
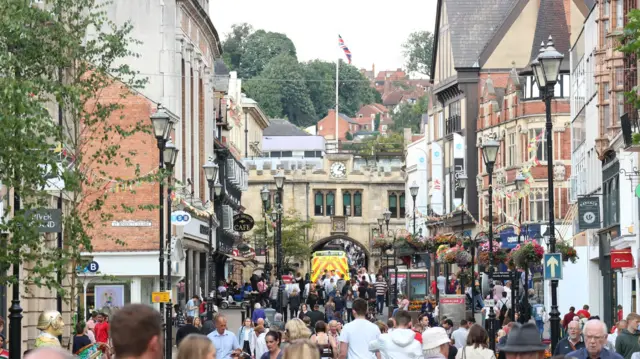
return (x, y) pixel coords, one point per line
(380, 303)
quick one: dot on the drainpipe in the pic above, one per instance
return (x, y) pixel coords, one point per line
(246, 136)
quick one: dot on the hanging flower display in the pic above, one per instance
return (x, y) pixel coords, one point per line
(466, 275)
(527, 253)
(455, 255)
(433, 244)
(568, 252)
(499, 254)
(381, 243)
(418, 242)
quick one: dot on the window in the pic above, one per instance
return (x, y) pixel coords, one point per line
(611, 207)
(357, 204)
(512, 151)
(541, 152)
(346, 203)
(513, 209)
(454, 108)
(331, 204)
(606, 117)
(396, 204)
(318, 204)
(311, 154)
(620, 103)
(605, 91)
(538, 207)
(619, 14)
(619, 77)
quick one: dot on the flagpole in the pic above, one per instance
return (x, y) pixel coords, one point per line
(337, 82)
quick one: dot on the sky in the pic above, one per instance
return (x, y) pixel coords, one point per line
(374, 30)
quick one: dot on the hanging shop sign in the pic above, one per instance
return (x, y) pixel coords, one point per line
(180, 218)
(243, 222)
(588, 213)
(621, 258)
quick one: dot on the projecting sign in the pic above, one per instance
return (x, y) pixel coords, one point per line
(552, 266)
(180, 218)
(242, 222)
(588, 213)
(48, 220)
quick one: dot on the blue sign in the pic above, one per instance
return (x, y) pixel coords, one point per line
(422, 161)
(509, 237)
(552, 266)
(93, 267)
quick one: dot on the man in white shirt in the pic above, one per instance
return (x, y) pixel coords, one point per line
(356, 335)
(507, 288)
(459, 336)
(401, 343)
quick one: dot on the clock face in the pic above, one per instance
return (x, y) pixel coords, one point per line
(338, 170)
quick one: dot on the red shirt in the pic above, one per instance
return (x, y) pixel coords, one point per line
(567, 319)
(102, 332)
(418, 337)
(620, 315)
(584, 312)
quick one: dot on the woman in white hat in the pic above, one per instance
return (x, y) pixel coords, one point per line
(435, 343)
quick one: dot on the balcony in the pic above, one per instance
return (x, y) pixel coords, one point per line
(630, 132)
(453, 124)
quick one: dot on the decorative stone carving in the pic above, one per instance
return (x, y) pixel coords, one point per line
(51, 325)
(559, 171)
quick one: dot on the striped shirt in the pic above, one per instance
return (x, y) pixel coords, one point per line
(381, 287)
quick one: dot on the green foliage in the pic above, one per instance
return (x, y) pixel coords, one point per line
(349, 136)
(630, 44)
(635, 138)
(234, 44)
(58, 55)
(282, 82)
(377, 144)
(376, 122)
(409, 116)
(417, 51)
(296, 245)
(260, 48)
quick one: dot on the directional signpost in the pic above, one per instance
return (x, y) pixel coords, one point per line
(552, 266)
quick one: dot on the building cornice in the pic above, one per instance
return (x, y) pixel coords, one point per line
(193, 8)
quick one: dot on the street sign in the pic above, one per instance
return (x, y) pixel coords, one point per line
(49, 220)
(552, 266)
(488, 303)
(588, 213)
(93, 267)
(503, 275)
(180, 218)
(161, 297)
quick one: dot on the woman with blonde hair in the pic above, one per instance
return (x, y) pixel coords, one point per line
(197, 323)
(196, 346)
(296, 329)
(301, 348)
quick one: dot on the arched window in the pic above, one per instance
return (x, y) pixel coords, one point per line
(402, 210)
(330, 204)
(318, 204)
(357, 204)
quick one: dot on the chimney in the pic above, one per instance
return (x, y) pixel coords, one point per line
(373, 70)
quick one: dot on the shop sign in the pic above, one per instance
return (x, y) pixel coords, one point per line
(621, 258)
(49, 220)
(242, 222)
(161, 297)
(588, 213)
(509, 236)
(418, 275)
(180, 218)
(453, 307)
(400, 276)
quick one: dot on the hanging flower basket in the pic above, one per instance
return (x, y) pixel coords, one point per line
(527, 253)
(455, 255)
(499, 254)
(466, 275)
(381, 243)
(433, 244)
(568, 252)
(419, 243)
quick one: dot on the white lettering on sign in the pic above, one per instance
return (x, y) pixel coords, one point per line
(130, 223)
(621, 260)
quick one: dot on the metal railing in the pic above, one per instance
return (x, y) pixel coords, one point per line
(453, 124)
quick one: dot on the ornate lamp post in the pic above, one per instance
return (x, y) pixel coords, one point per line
(546, 68)
(489, 153)
(280, 179)
(462, 180)
(519, 182)
(394, 301)
(170, 157)
(414, 193)
(211, 174)
(264, 195)
(162, 126)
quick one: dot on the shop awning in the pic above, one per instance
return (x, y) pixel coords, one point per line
(621, 258)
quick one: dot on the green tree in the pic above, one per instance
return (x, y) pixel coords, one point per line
(410, 115)
(630, 44)
(282, 81)
(320, 79)
(417, 51)
(260, 48)
(372, 146)
(348, 136)
(50, 58)
(234, 44)
(296, 245)
(354, 89)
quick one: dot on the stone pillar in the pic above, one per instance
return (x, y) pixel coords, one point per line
(188, 120)
(135, 288)
(198, 285)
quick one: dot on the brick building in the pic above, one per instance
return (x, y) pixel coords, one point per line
(326, 127)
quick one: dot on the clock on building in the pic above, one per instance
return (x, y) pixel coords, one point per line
(338, 170)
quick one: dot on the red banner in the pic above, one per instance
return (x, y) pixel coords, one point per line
(418, 275)
(621, 258)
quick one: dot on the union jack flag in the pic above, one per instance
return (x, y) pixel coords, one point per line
(344, 48)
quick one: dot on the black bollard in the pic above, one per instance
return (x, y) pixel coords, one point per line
(243, 315)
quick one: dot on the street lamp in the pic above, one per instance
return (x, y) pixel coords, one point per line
(170, 157)
(414, 193)
(211, 174)
(546, 68)
(279, 178)
(462, 185)
(489, 153)
(380, 223)
(264, 195)
(520, 182)
(387, 217)
(162, 125)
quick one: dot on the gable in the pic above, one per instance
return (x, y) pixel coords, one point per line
(444, 63)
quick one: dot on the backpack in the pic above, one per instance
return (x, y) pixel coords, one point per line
(503, 310)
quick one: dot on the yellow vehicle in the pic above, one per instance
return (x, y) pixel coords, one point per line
(329, 260)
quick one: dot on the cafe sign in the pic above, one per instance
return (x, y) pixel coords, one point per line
(243, 222)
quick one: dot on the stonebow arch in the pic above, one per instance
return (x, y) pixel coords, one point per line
(344, 241)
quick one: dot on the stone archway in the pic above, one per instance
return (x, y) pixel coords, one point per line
(358, 254)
